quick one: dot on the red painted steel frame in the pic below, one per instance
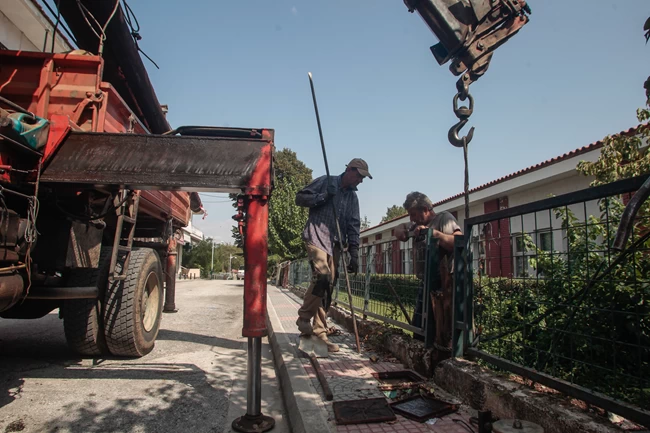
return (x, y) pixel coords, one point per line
(256, 247)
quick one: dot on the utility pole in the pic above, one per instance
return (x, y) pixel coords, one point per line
(230, 265)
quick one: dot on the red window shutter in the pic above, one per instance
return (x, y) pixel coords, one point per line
(379, 259)
(397, 258)
(506, 241)
(498, 248)
(378, 237)
(364, 240)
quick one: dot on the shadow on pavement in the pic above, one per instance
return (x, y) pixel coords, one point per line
(187, 401)
(208, 340)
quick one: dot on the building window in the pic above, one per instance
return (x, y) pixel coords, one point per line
(520, 244)
(545, 241)
(521, 266)
(520, 255)
(388, 259)
(406, 254)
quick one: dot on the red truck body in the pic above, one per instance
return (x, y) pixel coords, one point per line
(67, 90)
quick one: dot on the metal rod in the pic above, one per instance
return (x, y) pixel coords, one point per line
(63, 293)
(19, 144)
(17, 107)
(399, 302)
(254, 392)
(336, 218)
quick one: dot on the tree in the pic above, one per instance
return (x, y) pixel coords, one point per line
(365, 223)
(393, 212)
(286, 219)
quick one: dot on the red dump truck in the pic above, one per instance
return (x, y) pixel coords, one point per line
(95, 186)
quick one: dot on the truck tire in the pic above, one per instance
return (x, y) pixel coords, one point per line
(82, 318)
(133, 307)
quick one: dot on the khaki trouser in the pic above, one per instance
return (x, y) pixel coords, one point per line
(323, 267)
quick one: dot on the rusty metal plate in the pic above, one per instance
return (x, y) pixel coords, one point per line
(403, 379)
(165, 162)
(363, 411)
(420, 409)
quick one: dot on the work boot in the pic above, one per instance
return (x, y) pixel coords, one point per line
(304, 327)
(331, 347)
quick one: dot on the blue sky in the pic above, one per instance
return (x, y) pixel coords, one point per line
(571, 76)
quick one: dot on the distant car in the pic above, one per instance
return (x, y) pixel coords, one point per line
(240, 273)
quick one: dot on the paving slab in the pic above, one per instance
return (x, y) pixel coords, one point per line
(348, 374)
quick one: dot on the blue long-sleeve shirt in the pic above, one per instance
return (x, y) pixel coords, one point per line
(320, 230)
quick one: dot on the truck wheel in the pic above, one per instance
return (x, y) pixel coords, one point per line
(133, 307)
(82, 318)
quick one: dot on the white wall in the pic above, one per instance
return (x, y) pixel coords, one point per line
(23, 27)
(12, 38)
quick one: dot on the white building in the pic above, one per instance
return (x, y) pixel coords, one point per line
(24, 25)
(555, 176)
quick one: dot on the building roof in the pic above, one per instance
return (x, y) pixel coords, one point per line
(49, 20)
(581, 150)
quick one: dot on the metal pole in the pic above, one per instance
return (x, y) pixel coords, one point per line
(255, 260)
(170, 276)
(336, 218)
(254, 392)
(212, 260)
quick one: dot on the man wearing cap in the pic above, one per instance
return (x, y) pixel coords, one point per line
(322, 243)
(445, 227)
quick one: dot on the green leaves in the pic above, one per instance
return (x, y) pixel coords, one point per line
(393, 212)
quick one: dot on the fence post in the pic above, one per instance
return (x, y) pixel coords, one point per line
(462, 295)
(366, 293)
(431, 283)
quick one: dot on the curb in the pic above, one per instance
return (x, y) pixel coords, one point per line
(305, 410)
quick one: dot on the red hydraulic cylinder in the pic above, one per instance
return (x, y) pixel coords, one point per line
(255, 258)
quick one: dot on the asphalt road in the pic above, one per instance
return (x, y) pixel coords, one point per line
(193, 381)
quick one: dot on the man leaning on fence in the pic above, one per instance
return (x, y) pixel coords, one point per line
(445, 227)
(322, 243)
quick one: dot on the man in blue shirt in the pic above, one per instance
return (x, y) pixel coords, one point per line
(322, 243)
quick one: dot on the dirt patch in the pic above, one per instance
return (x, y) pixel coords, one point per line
(15, 426)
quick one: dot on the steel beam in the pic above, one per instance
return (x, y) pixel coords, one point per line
(237, 163)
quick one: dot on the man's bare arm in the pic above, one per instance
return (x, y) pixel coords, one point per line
(446, 241)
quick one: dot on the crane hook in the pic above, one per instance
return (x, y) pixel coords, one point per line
(455, 139)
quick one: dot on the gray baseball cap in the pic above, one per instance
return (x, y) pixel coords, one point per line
(361, 166)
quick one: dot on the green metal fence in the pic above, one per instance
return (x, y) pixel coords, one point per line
(388, 287)
(545, 296)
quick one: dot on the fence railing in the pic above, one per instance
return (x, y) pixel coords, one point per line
(538, 291)
(546, 297)
(388, 287)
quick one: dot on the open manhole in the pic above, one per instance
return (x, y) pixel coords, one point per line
(420, 409)
(403, 379)
(363, 411)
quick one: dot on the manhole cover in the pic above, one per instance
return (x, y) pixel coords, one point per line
(403, 379)
(363, 411)
(421, 409)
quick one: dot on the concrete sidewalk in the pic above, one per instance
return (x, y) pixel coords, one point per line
(348, 373)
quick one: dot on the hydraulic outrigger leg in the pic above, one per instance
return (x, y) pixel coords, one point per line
(255, 257)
